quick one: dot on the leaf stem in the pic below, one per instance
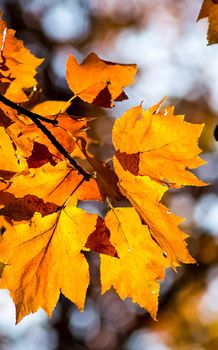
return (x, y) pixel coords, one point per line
(36, 119)
(109, 203)
(66, 105)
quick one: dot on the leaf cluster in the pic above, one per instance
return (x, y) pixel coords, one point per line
(46, 169)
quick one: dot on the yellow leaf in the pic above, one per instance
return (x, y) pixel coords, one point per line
(210, 9)
(43, 259)
(145, 194)
(97, 81)
(158, 144)
(140, 264)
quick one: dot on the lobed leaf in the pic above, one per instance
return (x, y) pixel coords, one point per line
(43, 259)
(141, 262)
(17, 66)
(97, 81)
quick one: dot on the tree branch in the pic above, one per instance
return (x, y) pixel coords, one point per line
(36, 119)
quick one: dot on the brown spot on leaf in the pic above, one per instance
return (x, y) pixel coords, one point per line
(121, 97)
(6, 79)
(19, 209)
(4, 120)
(40, 156)
(99, 240)
(129, 162)
(6, 175)
(103, 99)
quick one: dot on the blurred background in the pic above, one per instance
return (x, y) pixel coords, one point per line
(170, 49)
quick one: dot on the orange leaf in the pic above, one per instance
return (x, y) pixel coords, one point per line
(43, 259)
(17, 66)
(97, 81)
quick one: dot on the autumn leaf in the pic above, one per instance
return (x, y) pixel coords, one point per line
(141, 263)
(43, 259)
(97, 81)
(17, 66)
(210, 9)
(145, 195)
(65, 131)
(55, 184)
(163, 145)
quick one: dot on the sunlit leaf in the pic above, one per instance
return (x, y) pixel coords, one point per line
(17, 65)
(97, 81)
(43, 259)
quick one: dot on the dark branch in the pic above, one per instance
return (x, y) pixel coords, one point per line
(31, 115)
(35, 118)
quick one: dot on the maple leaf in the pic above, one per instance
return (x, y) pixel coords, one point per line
(141, 262)
(164, 146)
(17, 65)
(210, 9)
(97, 81)
(43, 259)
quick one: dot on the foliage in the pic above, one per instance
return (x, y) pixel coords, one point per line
(46, 169)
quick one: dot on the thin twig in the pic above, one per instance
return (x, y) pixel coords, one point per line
(36, 119)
